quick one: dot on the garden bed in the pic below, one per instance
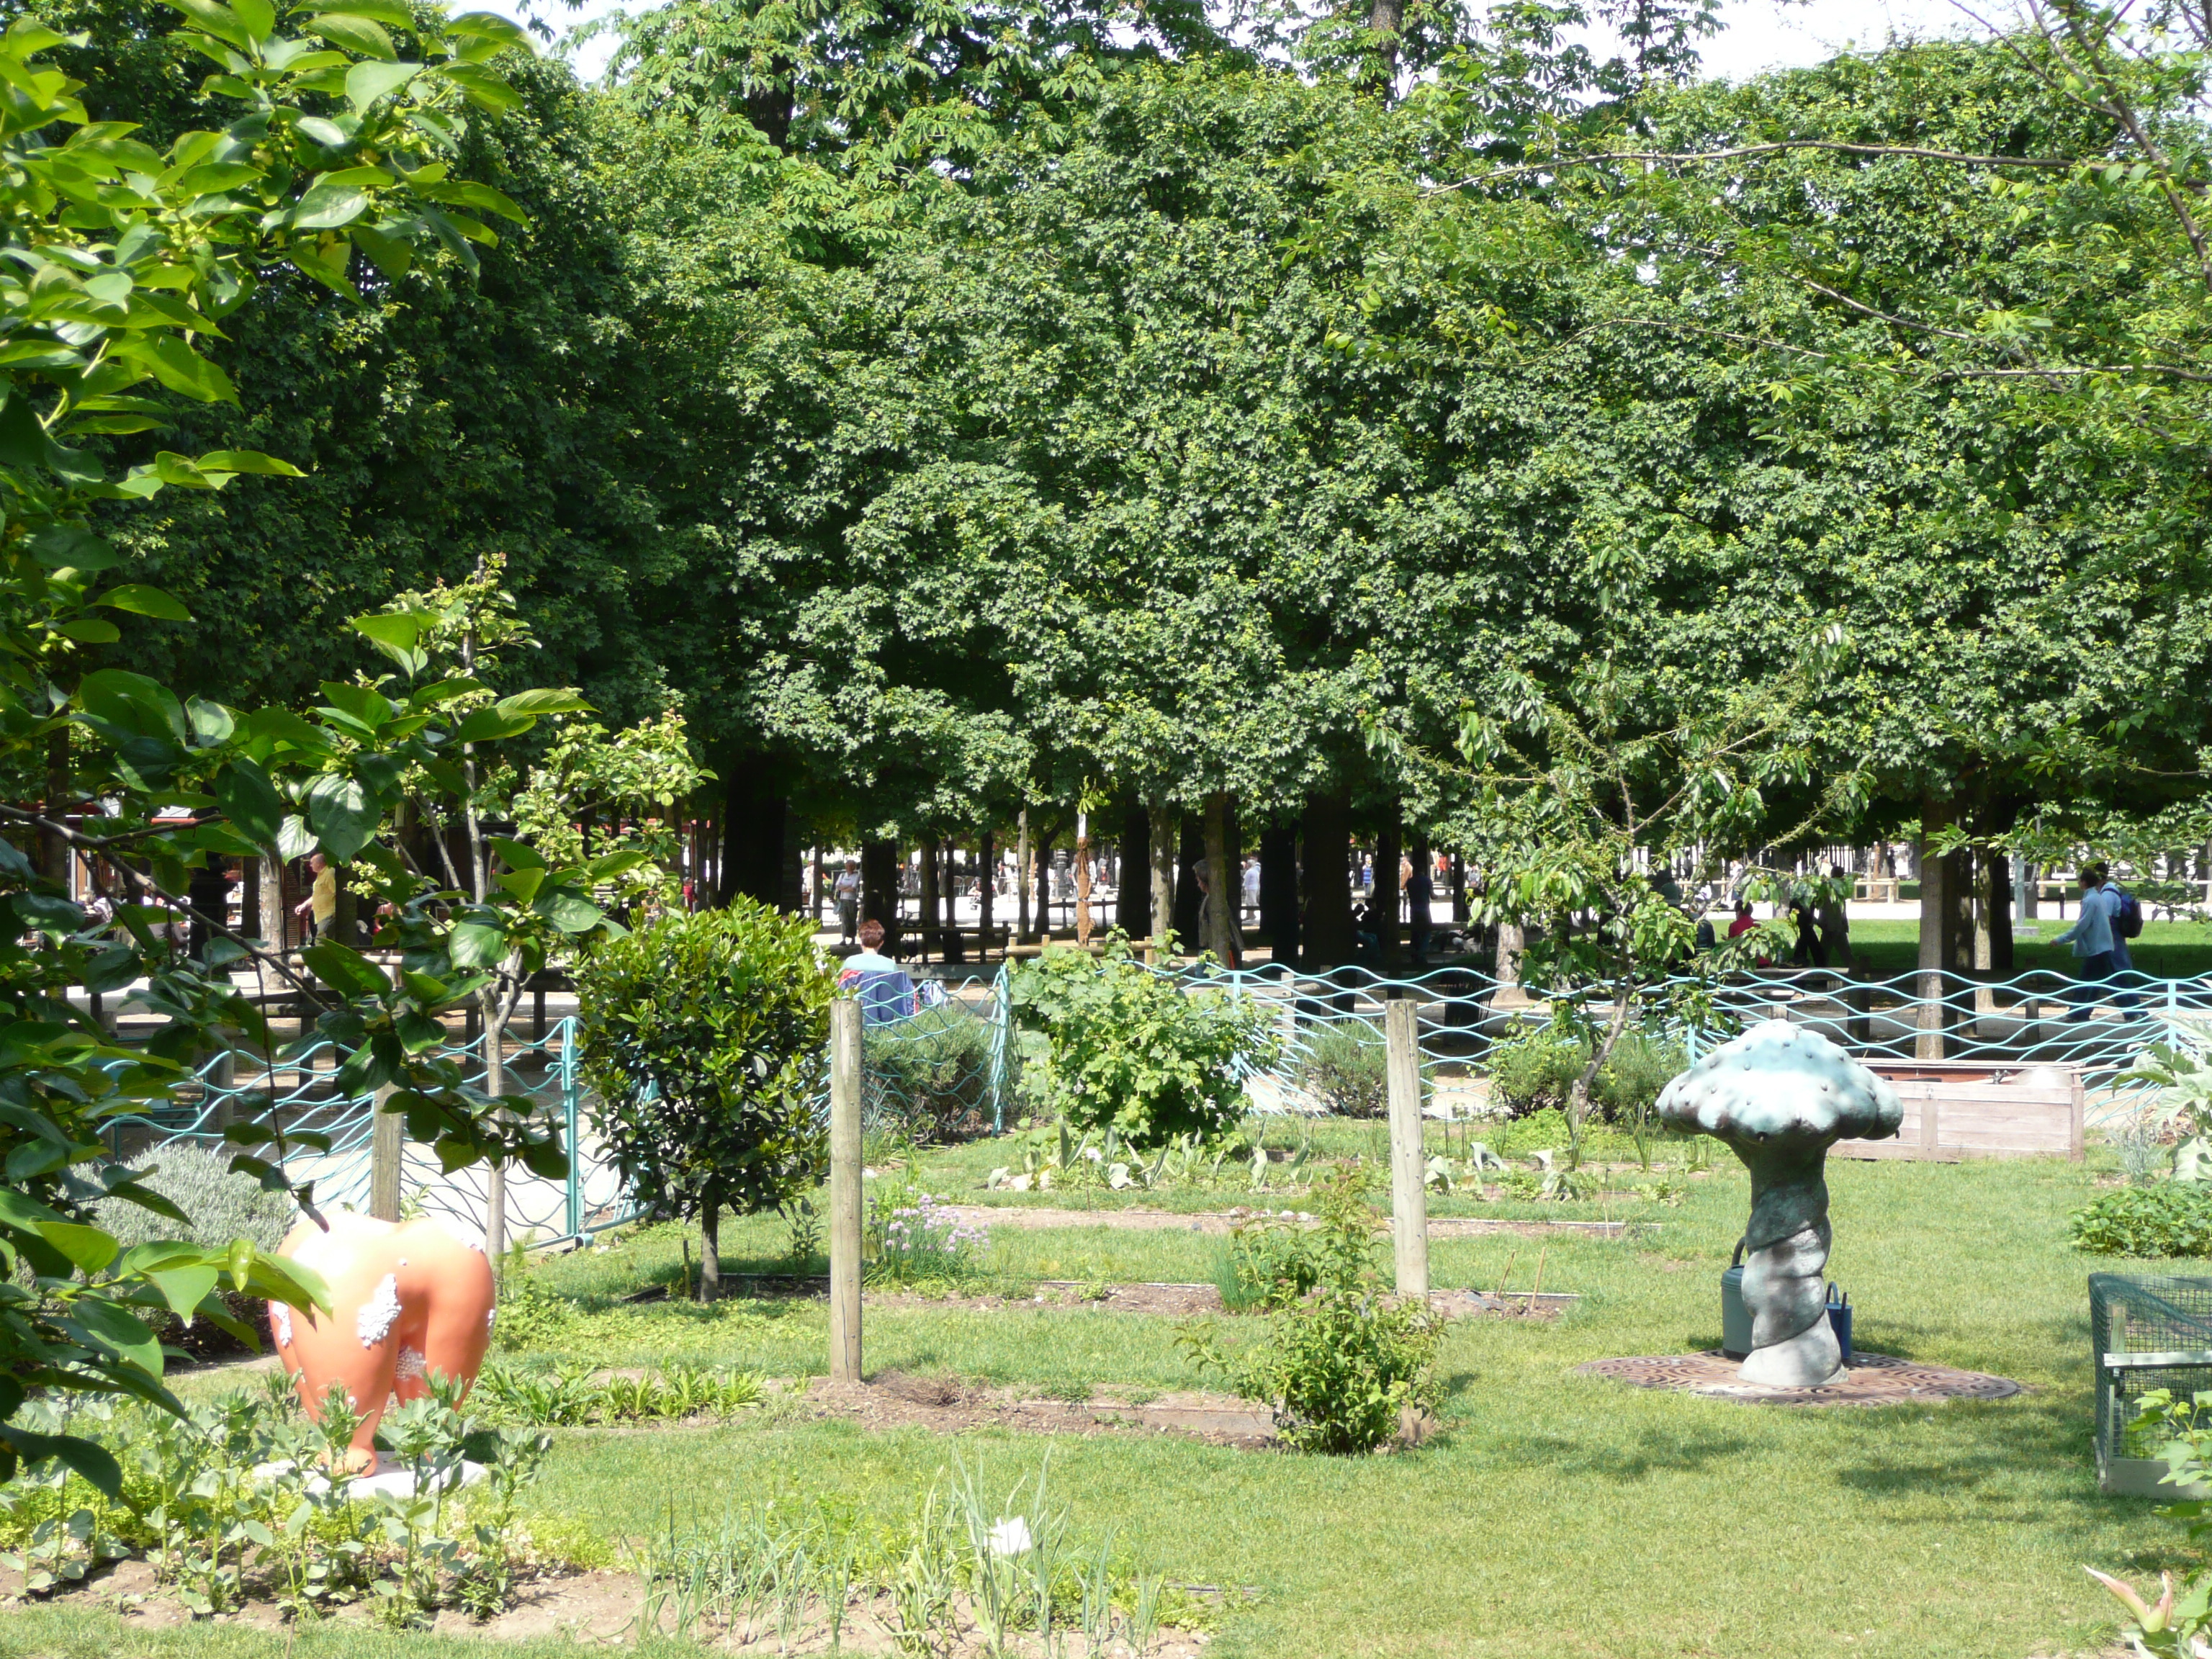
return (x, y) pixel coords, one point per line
(1227, 1221)
(603, 1607)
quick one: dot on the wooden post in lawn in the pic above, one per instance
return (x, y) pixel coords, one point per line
(844, 1190)
(387, 1145)
(1409, 1192)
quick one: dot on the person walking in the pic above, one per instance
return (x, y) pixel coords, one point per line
(1420, 901)
(2127, 922)
(848, 892)
(2091, 937)
(1835, 923)
(320, 907)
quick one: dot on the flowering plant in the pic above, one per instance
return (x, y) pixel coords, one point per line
(922, 1240)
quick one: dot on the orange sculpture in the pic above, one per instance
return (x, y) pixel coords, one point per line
(406, 1298)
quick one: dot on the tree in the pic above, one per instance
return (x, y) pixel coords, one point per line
(704, 1038)
(122, 261)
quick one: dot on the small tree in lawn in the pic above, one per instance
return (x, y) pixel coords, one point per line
(704, 1041)
(1586, 796)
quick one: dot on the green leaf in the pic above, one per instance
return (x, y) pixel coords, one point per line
(355, 33)
(343, 816)
(177, 366)
(384, 11)
(89, 1248)
(97, 1465)
(142, 600)
(346, 971)
(90, 630)
(473, 945)
(543, 701)
(490, 726)
(121, 1333)
(183, 1288)
(219, 21)
(367, 82)
(329, 206)
(249, 800)
(569, 910)
(519, 855)
(248, 460)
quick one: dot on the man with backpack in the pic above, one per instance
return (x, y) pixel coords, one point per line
(2097, 938)
(2127, 924)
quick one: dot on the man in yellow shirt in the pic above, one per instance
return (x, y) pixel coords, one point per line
(322, 898)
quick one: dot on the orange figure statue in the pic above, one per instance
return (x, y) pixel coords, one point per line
(406, 1298)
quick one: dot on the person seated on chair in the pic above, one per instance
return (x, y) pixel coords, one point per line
(884, 989)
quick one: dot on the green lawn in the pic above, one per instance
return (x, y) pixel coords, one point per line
(1558, 1514)
(2167, 950)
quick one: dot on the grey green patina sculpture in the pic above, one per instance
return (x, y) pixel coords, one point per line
(1780, 1095)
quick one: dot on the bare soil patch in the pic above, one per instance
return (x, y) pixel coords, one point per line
(607, 1607)
(1226, 1221)
(948, 1405)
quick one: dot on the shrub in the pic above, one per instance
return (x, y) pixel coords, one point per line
(2172, 1217)
(1345, 1069)
(1108, 1041)
(703, 1039)
(1270, 1263)
(223, 1204)
(1534, 1068)
(1341, 1362)
(929, 1076)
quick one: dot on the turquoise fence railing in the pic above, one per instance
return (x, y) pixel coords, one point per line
(590, 1198)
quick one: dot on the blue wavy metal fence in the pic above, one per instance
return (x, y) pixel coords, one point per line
(952, 1069)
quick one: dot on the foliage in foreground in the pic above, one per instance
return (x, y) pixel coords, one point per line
(123, 259)
(229, 1501)
(703, 1038)
(2166, 1218)
(1342, 1361)
(968, 1564)
(1106, 1042)
(2177, 1432)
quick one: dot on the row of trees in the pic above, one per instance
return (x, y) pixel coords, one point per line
(1002, 406)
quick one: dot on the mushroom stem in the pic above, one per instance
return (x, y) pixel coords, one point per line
(1785, 1269)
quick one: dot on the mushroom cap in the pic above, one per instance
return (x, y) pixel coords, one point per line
(1779, 1081)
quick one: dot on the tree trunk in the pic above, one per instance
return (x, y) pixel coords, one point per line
(1389, 894)
(1327, 877)
(1161, 819)
(1938, 930)
(754, 820)
(1510, 943)
(1041, 850)
(949, 893)
(710, 1251)
(1459, 890)
(1387, 18)
(1022, 929)
(2001, 959)
(54, 855)
(1221, 883)
(986, 883)
(1279, 891)
(879, 888)
(1134, 894)
(1082, 878)
(931, 938)
(1192, 849)
(273, 914)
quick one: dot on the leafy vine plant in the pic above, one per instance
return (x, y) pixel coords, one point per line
(334, 129)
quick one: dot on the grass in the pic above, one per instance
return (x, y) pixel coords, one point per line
(1558, 1514)
(2167, 950)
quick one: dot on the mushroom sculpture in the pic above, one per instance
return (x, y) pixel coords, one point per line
(1779, 1097)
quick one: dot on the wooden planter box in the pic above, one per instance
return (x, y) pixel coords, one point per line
(1956, 1109)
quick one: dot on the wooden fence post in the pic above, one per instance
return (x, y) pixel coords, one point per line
(844, 1190)
(1409, 1192)
(387, 1145)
